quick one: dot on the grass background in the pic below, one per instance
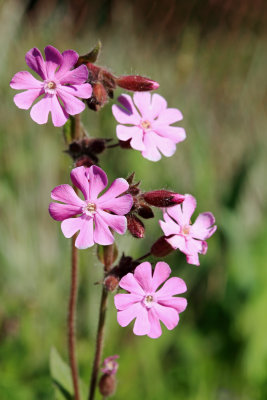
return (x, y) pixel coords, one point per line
(210, 59)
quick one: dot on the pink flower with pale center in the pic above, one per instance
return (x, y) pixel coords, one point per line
(147, 123)
(96, 213)
(110, 365)
(59, 82)
(180, 234)
(147, 304)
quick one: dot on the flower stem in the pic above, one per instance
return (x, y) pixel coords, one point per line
(113, 145)
(99, 343)
(143, 257)
(72, 317)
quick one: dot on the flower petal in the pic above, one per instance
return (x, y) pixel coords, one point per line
(158, 105)
(126, 316)
(168, 226)
(79, 179)
(40, 111)
(143, 101)
(109, 200)
(124, 300)
(53, 60)
(171, 287)
(142, 324)
(169, 316)
(85, 238)
(143, 274)
(97, 181)
(116, 222)
(71, 225)
(169, 116)
(24, 80)
(178, 303)
(137, 141)
(76, 76)
(188, 206)
(202, 228)
(178, 242)
(126, 113)
(162, 272)
(83, 90)
(128, 282)
(165, 145)
(59, 212)
(151, 152)
(102, 234)
(66, 194)
(59, 115)
(193, 259)
(69, 59)
(25, 99)
(155, 328)
(72, 105)
(35, 61)
(174, 133)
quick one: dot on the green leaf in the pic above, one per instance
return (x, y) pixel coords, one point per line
(61, 376)
(68, 130)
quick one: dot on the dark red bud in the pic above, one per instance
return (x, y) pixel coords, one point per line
(84, 161)
(145, 211)
(135, 226)
(111, 283)
(107, 385)
(125, 144)
(99, 92)
(136, 83)
(107, 78)
(161, 247)
(97, 146)
(163, 198)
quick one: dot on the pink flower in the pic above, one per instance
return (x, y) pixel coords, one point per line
(97, 214)
(59, 81)
(147, 305)
(110, 366)
(148, 127)
(190, 239)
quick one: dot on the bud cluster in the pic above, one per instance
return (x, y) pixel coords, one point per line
(84, 151)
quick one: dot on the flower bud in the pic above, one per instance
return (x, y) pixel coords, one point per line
(90, 57)
(145, 211)
(135, 226)
(107, 254)
(111, 282)
(99, 97)
(136, 83)
(161, 247)
(107, 385)
(163, 198)
(125, 144)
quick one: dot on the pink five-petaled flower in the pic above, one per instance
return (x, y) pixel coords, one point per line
(190, 239)
(149, 128)
(59, 81)
(97, 213)
(110, 365)
(148, 305)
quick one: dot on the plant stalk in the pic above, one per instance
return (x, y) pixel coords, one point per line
(99, 343)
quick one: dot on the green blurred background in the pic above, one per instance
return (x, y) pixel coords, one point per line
(210, 59)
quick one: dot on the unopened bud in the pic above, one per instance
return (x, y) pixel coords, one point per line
(99, 97)
(111, 283)
(136, 83)
(91, 56)
(107, 385)
(125, 144)
(161, 247)
(145, 211)
(135, 226)
(163, 198)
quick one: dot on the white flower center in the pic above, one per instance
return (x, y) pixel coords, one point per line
(146, 125)
(50, 87)
(148, 301)
(89, 209)
(186, 229)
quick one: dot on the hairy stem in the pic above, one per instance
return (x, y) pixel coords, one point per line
(111, 146)
(72, 318)
(99, 343)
